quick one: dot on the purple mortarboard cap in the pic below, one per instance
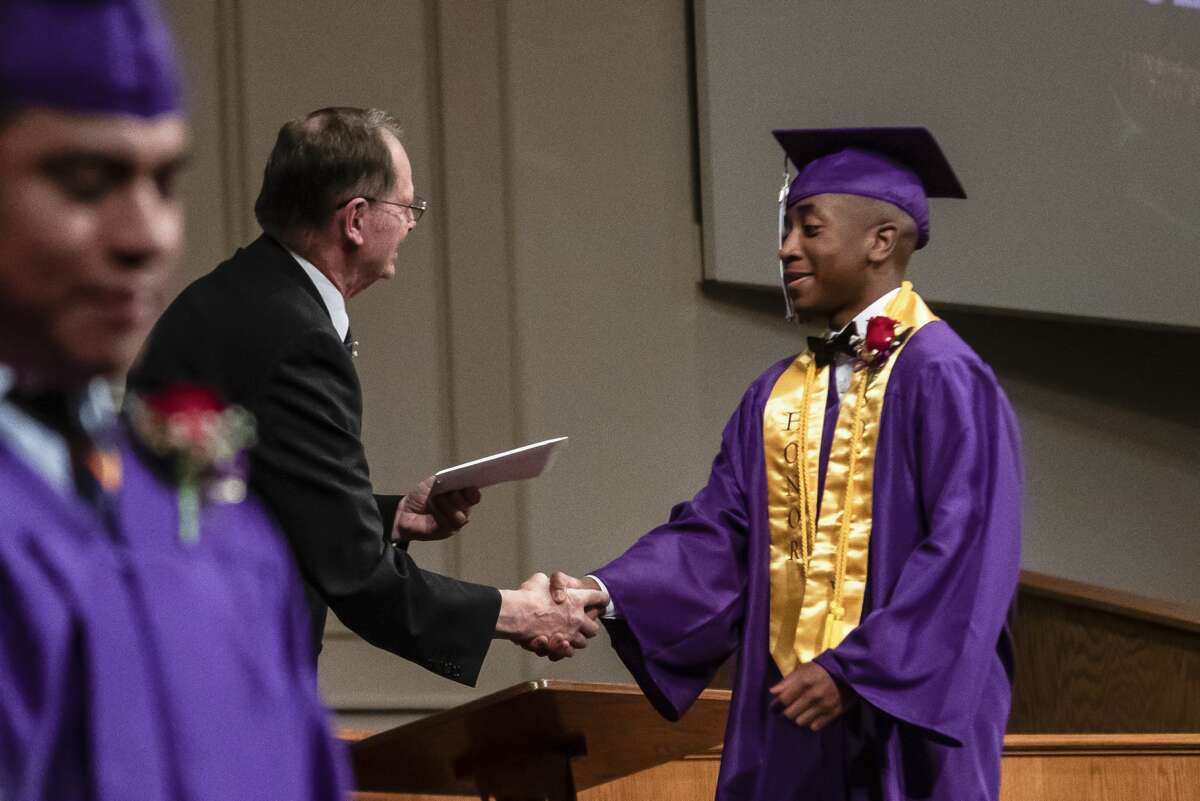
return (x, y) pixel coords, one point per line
(903, 166)
(97, 56)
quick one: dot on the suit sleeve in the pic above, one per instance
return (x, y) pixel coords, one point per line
(387, 505)
(310, 467)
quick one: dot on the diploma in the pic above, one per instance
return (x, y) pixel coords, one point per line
(528, 461)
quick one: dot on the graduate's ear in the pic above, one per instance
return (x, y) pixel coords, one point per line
(352, 220)
(882, 241)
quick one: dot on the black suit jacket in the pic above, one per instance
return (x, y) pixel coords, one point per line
(256, 330)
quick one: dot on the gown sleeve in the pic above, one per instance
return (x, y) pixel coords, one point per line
(31, 636)
(925, 655)
(330, 775)
(679, 591)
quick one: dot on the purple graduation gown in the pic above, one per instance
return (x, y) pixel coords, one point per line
(931, 661)
(133, 666)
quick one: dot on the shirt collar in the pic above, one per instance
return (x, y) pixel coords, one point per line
(874, 310)
(97, 407)
(98, 411)
(335, 304)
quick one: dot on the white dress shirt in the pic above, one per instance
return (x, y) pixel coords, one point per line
(334, 302)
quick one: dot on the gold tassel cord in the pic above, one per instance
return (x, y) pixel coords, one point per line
(808, 514)
(834, 621)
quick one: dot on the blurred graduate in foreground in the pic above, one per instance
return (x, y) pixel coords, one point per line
(151, 640)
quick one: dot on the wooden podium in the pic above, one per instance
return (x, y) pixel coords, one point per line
(557, 741)
(546, 740)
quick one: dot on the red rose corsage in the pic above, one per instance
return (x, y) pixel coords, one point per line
(884, 336)
(203, 439)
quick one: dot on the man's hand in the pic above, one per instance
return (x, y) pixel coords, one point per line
(560, 583)
(530, 615)
(421, 517)
(808, 696)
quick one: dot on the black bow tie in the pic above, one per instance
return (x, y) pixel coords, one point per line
(351, 344)
(826, 349)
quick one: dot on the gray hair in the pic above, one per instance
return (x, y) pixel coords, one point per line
(319, 162)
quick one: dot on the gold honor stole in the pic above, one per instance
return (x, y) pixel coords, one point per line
(819, 567)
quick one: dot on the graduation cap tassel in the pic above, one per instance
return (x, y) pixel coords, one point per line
(789, 312)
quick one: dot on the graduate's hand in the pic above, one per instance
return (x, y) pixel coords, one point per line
(530, 617)
(421, 517)
(560, 582)
(809, 696)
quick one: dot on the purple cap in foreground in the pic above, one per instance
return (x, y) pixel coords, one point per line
(96, 56)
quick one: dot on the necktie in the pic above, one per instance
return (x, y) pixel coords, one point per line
(825, 349)
(351, 344)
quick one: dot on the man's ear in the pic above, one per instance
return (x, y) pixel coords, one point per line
(882, 242)
(352, 221)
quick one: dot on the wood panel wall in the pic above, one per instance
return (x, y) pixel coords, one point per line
(1034, 768)
(1091, 660)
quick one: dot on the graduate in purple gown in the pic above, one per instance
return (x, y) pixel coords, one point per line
(857, 544)
(152, 645)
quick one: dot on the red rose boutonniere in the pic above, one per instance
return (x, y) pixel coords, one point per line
(884, 336)
(203, 440)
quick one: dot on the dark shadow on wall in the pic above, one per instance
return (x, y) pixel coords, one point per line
(1152, 371)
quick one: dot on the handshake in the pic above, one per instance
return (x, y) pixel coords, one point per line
(552, 617)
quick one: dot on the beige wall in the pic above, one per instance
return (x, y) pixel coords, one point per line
(554, 289)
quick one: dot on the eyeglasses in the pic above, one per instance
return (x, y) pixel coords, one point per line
(418, 207)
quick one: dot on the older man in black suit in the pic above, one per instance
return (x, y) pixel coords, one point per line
(269, 329)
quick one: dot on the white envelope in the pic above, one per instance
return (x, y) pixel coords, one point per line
(528, 461)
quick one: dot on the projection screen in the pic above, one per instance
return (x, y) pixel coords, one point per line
(1074, 126)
